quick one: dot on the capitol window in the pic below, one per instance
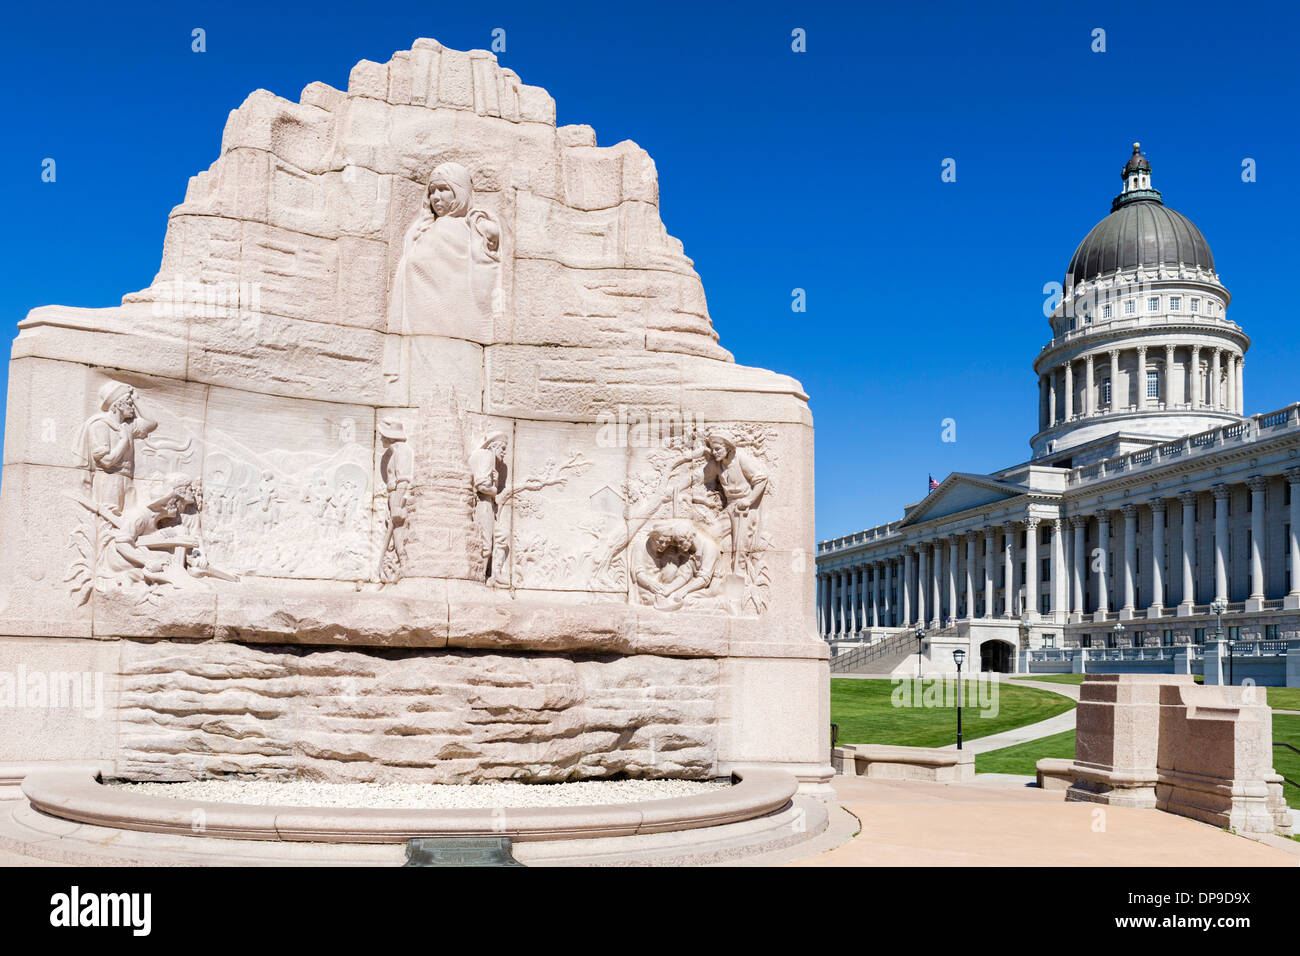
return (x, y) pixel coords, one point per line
(1105, 311)
(1105, 391)
(1175, 303)
(1196, 305)
(1153, 383)
(1130, 307)
(1153, 304)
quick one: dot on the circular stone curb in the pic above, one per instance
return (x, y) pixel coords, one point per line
(77, 795)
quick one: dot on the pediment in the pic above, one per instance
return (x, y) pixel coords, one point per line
(961, 492)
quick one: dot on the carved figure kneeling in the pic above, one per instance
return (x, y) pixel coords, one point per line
(679, 563)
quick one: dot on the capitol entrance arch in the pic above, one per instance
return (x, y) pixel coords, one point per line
(997, 656)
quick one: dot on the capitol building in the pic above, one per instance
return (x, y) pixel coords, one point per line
(1149, 494)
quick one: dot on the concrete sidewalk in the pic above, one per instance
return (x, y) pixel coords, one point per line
(1019, 735)
(907, 823)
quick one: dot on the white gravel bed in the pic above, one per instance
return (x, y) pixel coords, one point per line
(416, 796)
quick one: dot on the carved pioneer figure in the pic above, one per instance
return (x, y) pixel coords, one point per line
(267, 502)
(450, 268)
(396, 470)
(678, 561)
(105, 446)
(487, 466)
(151, 544)
(733, 482)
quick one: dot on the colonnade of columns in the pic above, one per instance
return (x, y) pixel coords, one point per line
(1206, 377)
(928, 584)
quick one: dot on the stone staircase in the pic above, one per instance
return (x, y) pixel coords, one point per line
(885, 655)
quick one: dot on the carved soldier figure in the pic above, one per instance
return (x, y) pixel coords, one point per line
(396, 470)
(487, 466)
(105, 446)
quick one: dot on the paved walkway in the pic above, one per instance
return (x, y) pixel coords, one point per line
(907, 823)
(1019, 735)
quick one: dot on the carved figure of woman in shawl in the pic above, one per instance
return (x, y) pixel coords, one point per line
(450, 269)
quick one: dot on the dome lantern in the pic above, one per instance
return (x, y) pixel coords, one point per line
(1137, 181)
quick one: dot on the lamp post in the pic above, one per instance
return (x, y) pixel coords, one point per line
(1217, 607)
(958, 657)
(1119, 633)
(920, 643)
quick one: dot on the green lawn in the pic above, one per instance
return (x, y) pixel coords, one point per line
(1023, 758)
(1286, 728)
(868, 712)
(1284, 698)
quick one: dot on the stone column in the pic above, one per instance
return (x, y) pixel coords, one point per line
(1216, 392)
(851, 617)
(905, 592)
(1114, 380)
(876, 570)
(1042, 402)
(1230, 381)
(1089, 395)
(1051, 398)
(831, 614)
(989, 609)
(840, 580)
(1103, 570)
(1142, 376)
(936, 585)
(1188, 598)
(1157, 557)
(1079, 528)
(846, 611)
(1130, 513)
(1008, 569)
(1069, 390)
(821, 605)
(862, 581)
(953, 558)
(970, 575)
(1195, 390)
(1169, 377)
(1241, 385)
(1292, 601)
(1059, 588)
(889, 597)
(864, 597)
(922, 581)
(1257, 484)
(1220, 539)
(1031, 566)
(828, 618)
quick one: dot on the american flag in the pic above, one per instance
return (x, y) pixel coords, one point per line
(933, 484)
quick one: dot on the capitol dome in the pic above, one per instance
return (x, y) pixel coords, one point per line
(1142, 351)
(1142, 233)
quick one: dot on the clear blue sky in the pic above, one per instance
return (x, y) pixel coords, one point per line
(778, 170)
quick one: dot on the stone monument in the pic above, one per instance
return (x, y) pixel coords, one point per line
(1163, 741)
(418, 461)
